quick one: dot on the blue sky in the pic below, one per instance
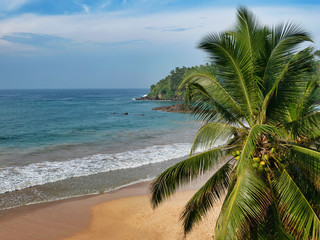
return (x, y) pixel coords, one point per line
(120, 44)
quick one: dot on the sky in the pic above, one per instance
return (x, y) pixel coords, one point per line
(121, 43)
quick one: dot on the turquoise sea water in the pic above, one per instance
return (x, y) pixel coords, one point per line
(57, 144)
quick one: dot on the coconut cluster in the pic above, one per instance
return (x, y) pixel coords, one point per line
(260, 163)
(236, 155)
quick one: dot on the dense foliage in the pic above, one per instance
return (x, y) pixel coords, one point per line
(261, 99)
(167, 88)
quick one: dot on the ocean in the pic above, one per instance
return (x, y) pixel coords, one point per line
(58, 144)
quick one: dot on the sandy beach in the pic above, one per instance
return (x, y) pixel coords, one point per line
(122, 214)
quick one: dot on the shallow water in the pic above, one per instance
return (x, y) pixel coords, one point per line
(57, 144)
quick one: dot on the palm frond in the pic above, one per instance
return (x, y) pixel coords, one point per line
(250, 34)
(281, 42)
(270, 228)
(304, 127)
(290, 89)
(206, 196)
(249, 199)
(287, 65)
(210, 133)
(306, 157)
(310, 98)
(296, 213)
(308, 183)
(225, 51)
(213, 87)
(183, 172)
(206, 107)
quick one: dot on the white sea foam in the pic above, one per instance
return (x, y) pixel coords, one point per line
(17, 178)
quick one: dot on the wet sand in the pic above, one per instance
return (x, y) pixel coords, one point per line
(59, 219)
(122, 214)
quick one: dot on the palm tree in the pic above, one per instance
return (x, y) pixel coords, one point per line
(261, 99)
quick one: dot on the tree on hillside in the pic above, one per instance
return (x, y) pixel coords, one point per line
(167, 88)
(261, 99)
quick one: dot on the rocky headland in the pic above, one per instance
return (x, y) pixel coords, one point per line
(178, 108)
(157, 98)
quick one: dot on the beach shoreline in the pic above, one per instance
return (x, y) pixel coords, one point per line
(59, 219)
(80, 218)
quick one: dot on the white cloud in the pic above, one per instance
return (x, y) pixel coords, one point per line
(125, 26)
(9, 5)
(105, 4)
(86, 8)
(121, 26)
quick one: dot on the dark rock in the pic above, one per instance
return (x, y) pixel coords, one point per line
(146, 98)
(179, 108)
(157, 98)
(126, 113)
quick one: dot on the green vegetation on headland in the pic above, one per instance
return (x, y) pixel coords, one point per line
(167, 88)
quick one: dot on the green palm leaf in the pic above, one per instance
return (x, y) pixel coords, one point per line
(183, 172)
(212, 85)
(198, 98)
(308, 183)
(209, 134)
(270, 228)
(222, 49)
(250, 34)
(290, 89)
(299, 217)
(306, 126)
(249, 198)
(206, 196)
(306, 157)
(283, 40)
(206, 87)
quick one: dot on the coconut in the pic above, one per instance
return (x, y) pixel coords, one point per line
(256, 159)
(262, 163)
(255, 165)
